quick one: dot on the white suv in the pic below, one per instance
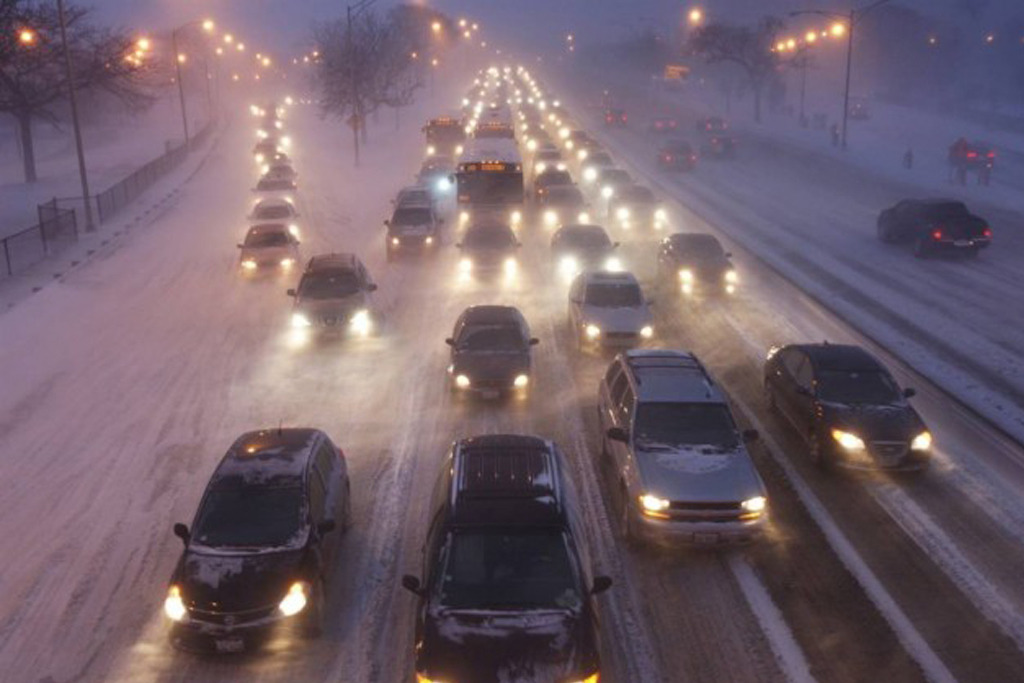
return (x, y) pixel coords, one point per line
(609, 309)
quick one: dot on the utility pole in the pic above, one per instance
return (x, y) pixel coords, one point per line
(181, 86)
(87, 200)
(351, 12)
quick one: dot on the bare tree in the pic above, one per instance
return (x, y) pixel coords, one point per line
(752, 49)
(33, 78)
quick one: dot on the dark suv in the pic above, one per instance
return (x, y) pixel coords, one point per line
(262, 542)
(490, 351)
(935, 225)
(334, 297)
(506, 591)
(413, 228)
(847, 406)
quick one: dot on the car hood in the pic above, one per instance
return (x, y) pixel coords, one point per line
(499, 646)
(264, 254)
(698, 473)
(617, 319)
(705, 267)
(899, 422)
(332, 307)
(418, 229)
(236, 582)
(586, 254)
(488, 254)
(482, 365)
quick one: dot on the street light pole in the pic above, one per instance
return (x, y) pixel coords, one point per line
(181, 86)
(89, 225)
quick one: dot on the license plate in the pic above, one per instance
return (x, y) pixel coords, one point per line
(962, 243)
(235, 644)
(490, 393)
(705, 537)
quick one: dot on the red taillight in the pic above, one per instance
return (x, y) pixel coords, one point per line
(971, 155)
(623, 118)
(987, 232)
(693, 157)
(936, 235)
(991, 155)
(341, 454)
(658, 124)
(667, 157)
(672, 124)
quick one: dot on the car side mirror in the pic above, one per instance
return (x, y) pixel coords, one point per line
(290, 292)
(440, 221)
(618, 434)
(751, 435)
(458, 245)
(181, 531)
(326, 526)
(412, 584)
(650, 302)
(387, 222)
(534, 341)
(803, 391)
(615, 245)
(728, 254)
(240, 246)
(909, 392)
(601, 584)
(577, 301)
(449, 341)
(519, 244)
(371, 287)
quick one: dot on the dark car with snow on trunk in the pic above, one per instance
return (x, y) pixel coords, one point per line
(934, 226)
(262, 542)
(507, 592)
(490, 351)
(847, 406)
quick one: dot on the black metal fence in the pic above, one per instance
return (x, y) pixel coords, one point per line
(60, 217)
(56, 230)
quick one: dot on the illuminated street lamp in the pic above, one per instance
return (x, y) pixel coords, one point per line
(27, 37)
(695, 16)
(208, 25)
(838, 29)
(436, 27)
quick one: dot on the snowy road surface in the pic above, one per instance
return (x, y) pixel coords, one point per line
(123, 384)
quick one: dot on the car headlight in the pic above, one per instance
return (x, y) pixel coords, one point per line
(660, 215)
(563, 133)
(649, 503)
(569, 265)
(686, 275)
(249, 264)
(589, 174)
(259, 158)
(521, 381)
(592, 331)
(540, 168)
(922, 442)
(583, 217)
(592, 678)
(732, 277)
(428, 240)
(431, 150)
(607, 192)
(466, 265)
(462, 382)
(286, 141)
(458, 150)
(531, 145)
(420, 678)
(443, 185)
(581, 154)
(299, 320)
(296, 599)
(395, 241)
(850, 442)
(550, 217)
(622, 213)
(174, 605)
(294, 230)
(287, 262)
(755, 504)
(464, 216)
(361, 322)
(516, 216)
(510, 265)
(613, 264)
(646, 331)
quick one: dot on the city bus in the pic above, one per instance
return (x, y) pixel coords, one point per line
(489, 180)
(445, 135)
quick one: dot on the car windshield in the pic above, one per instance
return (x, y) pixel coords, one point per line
(549, 155)
(273, 212)
(488, 238)
(637, 195)
(671, 425)
(249, 516)
(549, 178)
(491, 338)
(411, 217)
(496, 569)
(857, 387)
(613, 295)
(565, 196)
(266, 239)
(615, 176)
(704, 246)
(329, 285)
(585, 239)
(599, 159)
(947, 210)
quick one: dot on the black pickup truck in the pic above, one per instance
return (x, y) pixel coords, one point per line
(934, 226)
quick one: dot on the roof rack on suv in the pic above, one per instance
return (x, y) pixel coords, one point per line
(332, 260)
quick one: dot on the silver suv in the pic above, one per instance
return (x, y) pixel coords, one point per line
(334, 296)
(682, 472)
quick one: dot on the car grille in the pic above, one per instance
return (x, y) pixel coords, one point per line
(621, 336)
(705, 512)
(232, 618)
(889, 452)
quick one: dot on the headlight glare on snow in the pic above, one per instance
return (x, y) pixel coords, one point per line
(296, 599)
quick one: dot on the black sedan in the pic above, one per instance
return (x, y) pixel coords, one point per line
(692, 262)
(506, 593)
(264, 537)
(847, 406)
(488, 249)
(578, 247)
(490, 351)
(677, 155)
(934, 226)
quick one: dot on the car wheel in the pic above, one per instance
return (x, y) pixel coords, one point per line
(817, 452)
(313, 625)
(921, 248)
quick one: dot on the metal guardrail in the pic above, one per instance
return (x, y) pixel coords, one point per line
(59, 218)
